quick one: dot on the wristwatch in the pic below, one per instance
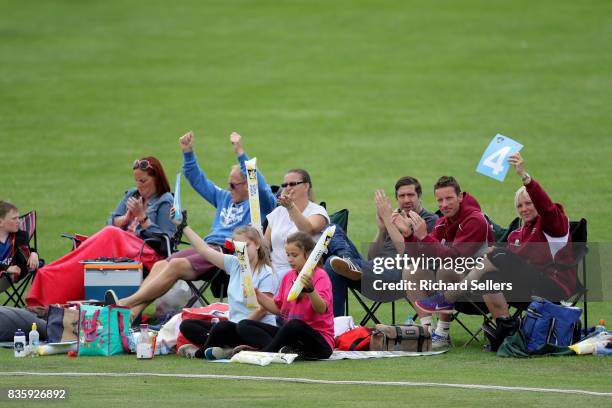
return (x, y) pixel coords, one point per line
(525, 178)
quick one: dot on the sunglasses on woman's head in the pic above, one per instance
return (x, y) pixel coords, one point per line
(292, 184)
(142, 165)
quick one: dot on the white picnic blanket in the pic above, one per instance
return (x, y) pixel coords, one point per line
(359, 355)
(261, 358)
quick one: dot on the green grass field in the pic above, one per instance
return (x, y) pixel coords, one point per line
(357, 92)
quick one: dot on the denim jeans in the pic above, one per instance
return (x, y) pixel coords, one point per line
(341, 246)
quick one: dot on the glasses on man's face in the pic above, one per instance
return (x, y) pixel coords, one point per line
(292, 184)
(234, 186)
(142, 165)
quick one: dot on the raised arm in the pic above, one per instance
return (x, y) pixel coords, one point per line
(195, 175)
(554, 219)
(213, 256)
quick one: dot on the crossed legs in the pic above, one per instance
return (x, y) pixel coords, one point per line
(419, 275)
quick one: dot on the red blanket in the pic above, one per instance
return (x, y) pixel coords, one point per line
(62, 280)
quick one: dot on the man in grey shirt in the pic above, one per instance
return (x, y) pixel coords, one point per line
(393, 226)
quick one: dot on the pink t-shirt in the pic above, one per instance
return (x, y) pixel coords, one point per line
(301, 308)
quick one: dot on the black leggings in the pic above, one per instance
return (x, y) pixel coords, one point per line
(295, 333)
(204, 335)
(196, 331)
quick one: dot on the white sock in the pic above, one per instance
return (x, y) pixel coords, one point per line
(442, 328)
(426, 321)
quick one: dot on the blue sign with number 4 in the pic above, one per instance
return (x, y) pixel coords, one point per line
(494, 161)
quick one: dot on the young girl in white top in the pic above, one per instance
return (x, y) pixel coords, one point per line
(224, 334)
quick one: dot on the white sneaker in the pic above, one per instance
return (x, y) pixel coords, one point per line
(346, 268)
(440, 342)
(188, 350)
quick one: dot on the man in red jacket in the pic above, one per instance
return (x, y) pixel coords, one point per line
(462, 233)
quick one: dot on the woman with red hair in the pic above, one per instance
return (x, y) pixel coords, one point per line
(144, 210)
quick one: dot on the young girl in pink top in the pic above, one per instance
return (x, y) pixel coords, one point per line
(308, 322)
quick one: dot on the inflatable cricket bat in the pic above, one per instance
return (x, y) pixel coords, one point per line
(246, 274)
(251, 169)
(178, 214)
(311, 262)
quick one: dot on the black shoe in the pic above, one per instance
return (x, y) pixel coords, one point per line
(291, 350)
(110, 298)
(504, 327)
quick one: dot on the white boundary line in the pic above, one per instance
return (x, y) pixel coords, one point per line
(315, 381)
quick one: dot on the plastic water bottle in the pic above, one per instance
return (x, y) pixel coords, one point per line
(19, 343)
(144, 347)
(34, 337)
(601, 326)
(603, 350)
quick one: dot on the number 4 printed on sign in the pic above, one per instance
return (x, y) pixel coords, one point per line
(494, 161)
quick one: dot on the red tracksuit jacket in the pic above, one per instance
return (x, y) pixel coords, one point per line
(465, 235)
(550, 226)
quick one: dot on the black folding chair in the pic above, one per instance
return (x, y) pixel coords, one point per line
(578, 234)
(340, 218)
(370, 310)
(170, 245)
(16, 291)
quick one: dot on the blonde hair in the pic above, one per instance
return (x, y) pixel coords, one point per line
(263, 253)
(517, 197)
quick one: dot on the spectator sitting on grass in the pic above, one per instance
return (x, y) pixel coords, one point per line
(224, 335)
(308, 321)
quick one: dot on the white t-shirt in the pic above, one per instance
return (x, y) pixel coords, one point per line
(264, 280)
(281, 227)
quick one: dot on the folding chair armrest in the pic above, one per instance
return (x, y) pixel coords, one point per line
(163, 237)
(75, 238)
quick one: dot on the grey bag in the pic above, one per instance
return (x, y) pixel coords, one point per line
(12, 318)
(412, 337)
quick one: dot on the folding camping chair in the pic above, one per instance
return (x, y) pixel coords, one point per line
(16, 291)
(578, 233)
(171, 245)
(340, 218)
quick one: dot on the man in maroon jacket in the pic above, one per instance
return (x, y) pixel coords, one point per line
(462, 233)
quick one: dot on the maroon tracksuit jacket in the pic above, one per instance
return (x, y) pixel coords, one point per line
(550, 226)
(467, 234)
